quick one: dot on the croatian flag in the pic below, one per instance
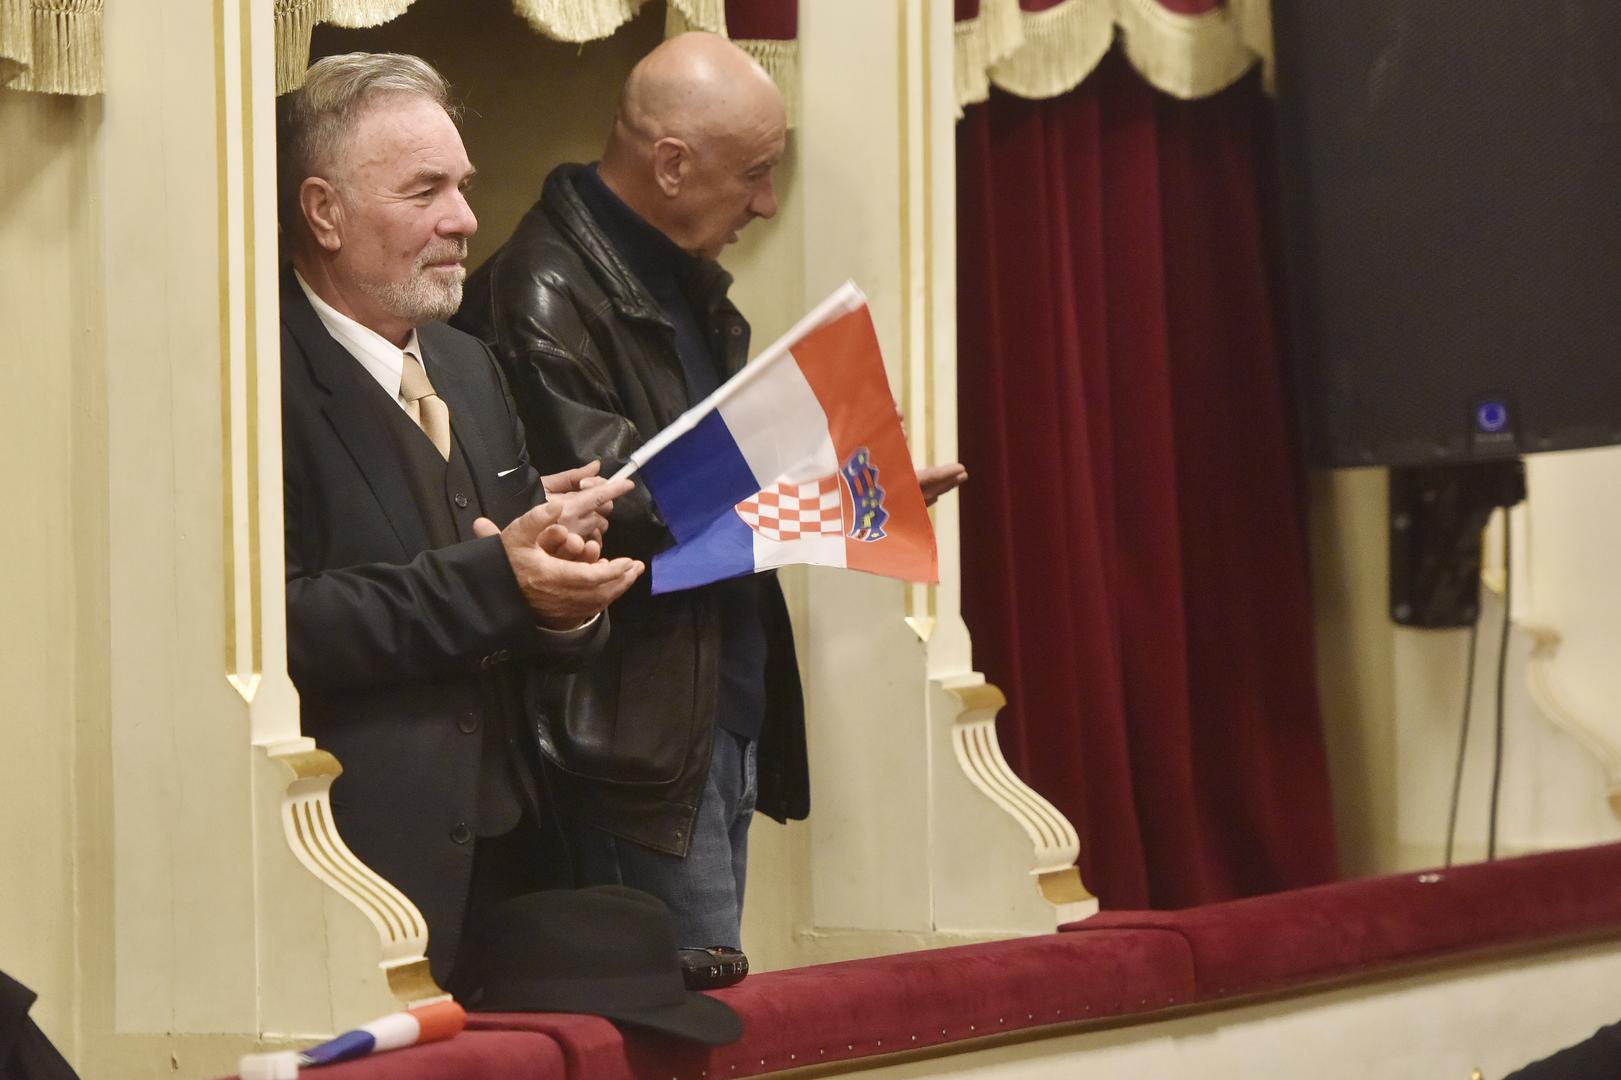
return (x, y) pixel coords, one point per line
(798, 458)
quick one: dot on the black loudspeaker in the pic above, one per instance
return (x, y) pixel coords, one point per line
(1452, 191)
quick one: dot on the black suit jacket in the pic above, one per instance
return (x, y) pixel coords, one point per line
(25, 1052)
(405, 657)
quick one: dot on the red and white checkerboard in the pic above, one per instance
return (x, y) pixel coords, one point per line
(793, 511)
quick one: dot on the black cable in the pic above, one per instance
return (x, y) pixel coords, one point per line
(1463, 731)
(1502, 672)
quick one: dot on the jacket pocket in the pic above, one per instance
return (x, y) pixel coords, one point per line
(632, 716)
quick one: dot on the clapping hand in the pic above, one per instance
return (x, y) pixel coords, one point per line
(562, 575)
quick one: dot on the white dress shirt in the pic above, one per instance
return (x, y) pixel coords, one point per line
(379, 356)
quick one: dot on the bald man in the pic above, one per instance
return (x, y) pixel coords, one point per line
(609, 313)
(610, 316)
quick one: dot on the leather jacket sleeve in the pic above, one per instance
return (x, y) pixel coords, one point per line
(573, 407)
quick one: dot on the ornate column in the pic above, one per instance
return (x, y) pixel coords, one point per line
(232, 912)
(918, 826)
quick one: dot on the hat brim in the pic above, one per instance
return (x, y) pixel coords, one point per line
(696, 1016)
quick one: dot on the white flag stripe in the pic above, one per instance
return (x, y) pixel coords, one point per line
(845, 299)
(819, 550)
(780, 427)
(394, 1031)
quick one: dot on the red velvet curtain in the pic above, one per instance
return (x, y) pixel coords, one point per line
(1133, 540)
(762, 19)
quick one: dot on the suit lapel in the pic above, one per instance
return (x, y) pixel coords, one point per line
(352, 415)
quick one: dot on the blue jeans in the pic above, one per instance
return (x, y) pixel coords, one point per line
(704, 891)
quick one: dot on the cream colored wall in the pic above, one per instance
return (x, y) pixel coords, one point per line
(156, 916)
(1356, 647)
(1393, 696)
(52, 683)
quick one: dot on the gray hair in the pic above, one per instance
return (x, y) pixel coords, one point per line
(316, 119)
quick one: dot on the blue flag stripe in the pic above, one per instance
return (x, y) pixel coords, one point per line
(700, 477)
(723, 550)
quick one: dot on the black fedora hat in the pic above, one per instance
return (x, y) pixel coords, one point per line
(607, 951)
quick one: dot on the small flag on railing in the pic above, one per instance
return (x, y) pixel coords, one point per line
(798, 458)
(412, 1027)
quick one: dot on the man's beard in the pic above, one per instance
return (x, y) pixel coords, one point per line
(425, 296)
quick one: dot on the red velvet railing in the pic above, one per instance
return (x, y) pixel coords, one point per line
(1115, 965)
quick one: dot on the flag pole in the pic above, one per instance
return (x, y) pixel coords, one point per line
(843, 300)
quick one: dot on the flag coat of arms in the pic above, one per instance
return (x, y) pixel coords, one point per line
(798, 458)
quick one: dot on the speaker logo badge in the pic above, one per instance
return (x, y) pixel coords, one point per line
(1492, 425)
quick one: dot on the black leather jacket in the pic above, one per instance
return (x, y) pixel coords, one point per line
(593, 364)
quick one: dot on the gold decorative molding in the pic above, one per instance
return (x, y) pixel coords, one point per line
(413, 984)
(917, 278)
(1064, 888)
(306, 814)
(1054, 842)
(311, 764)
(238, 347)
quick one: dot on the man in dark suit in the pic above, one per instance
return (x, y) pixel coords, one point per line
(432, 576)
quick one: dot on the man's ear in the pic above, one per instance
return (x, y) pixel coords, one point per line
(672, 160)
(323, 212)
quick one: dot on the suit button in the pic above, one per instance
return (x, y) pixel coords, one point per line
(460, 500)
(460, 833)
(468, 723)
(737, 331)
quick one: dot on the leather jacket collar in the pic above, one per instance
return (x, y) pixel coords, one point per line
(569, 213)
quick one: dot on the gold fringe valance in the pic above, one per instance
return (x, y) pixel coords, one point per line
(779, 58)
(357, 14)
(1187, 56)
(707, 15)
(781, 61)
(572, 21)
(576, 21)
(1046, 53)
(51, 46)
(296, 20)
(1061, 47)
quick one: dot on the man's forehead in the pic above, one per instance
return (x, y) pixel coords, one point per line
(409, 136)
(761, 141)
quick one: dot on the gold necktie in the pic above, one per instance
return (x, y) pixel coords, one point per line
(427, 408)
